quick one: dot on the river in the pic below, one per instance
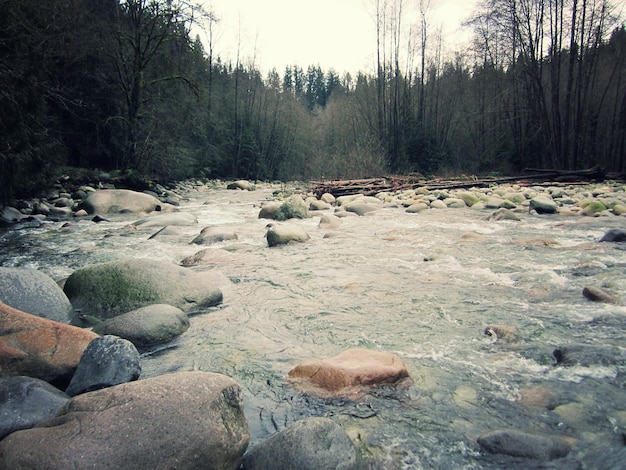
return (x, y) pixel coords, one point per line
(423, 286)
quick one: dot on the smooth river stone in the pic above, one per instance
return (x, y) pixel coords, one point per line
(351, 368)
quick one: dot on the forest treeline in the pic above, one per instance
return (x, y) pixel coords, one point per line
(123, 85)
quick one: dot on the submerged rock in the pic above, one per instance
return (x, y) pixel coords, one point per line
(351, 370)
(34, 292)
(146, 326)
(210, 235)
(309, 444)
(106, 290)
(597, 294)
(180, 420)
(502, 333)
(589, 355)
(26, 401)
(37, 347)
(167, 219)
(614, 235)
(524, 444)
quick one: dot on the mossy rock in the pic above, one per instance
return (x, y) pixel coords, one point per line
(469, 198)
(593, 208)
(109, 289)
(293, 208)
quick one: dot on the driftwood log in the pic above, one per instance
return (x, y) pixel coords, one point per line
(371, 186)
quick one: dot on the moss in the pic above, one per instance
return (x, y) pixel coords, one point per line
(469, 199)
(292, 208)
(593, 208)
(113, 289)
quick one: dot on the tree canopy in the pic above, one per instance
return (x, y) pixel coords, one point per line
(120, 85)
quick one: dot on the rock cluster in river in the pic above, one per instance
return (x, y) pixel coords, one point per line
(188, 419)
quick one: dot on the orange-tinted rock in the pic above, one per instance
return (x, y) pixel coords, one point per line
(37, 347)
(350, 369)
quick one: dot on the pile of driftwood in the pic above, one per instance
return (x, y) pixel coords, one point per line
(373, 186)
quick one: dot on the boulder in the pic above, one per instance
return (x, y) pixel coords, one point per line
(455, 203)
(106, 290)
(309, 444)
(328, 198)
(594, 208)
(32, 291)
(283, 234)
(241, 184)
(598, 294)
(524, 444)
(268, 211)
(167, 219)
(330, 222)
(614, 235)
(588, 355)
(10, 215)
(293, 208)
(179, 420)
(107, 361)
(361, 208)
(37, 347)
(209, 235)
(502, 333)
(503, 214)
(107, 201)
(543, 205)
(469, 198)
(417, 208)
(146, 326)
(26, 401)
(318, 205)
(352, 369)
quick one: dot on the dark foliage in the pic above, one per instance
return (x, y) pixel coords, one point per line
(121, 86)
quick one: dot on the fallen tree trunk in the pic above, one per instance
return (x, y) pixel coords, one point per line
(372, 186)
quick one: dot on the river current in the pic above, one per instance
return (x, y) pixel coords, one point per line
(422, 286)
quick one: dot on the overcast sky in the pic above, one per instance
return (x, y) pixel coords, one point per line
(338, 34)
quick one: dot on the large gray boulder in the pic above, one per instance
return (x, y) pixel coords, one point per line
(147, 326)
(180, 420)
(34, 292)
(109, 289)
(107, 361)
(309, 444)
(108, 201)
(27, 401)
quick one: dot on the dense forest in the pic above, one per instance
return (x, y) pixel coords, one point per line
(124, 86)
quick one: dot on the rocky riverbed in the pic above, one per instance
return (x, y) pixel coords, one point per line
(502, 306)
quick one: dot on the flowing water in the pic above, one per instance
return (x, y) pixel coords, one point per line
(423, 286)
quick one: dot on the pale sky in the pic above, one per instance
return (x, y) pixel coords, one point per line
(337, 34)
